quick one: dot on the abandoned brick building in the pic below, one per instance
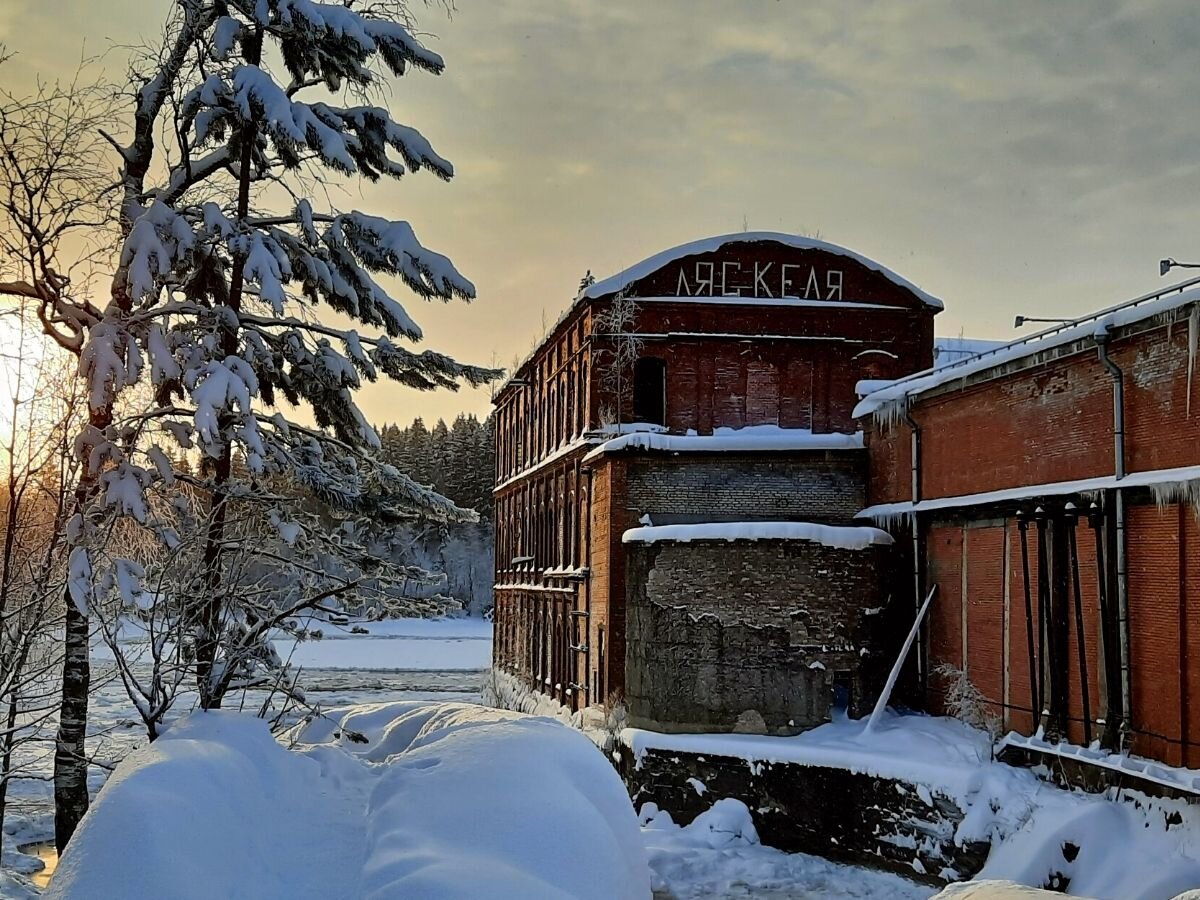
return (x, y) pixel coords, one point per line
(678, 471)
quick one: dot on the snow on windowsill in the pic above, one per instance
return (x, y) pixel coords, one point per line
(724, 440)
(841, 537)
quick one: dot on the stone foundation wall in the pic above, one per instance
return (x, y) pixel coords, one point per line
(752, 636)
(834, 813)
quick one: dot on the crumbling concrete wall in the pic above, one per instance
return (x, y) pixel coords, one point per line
(752, 636)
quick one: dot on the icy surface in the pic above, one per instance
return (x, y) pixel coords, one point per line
(707, 245)
(841, 537)
(397, 645)
(754, 437)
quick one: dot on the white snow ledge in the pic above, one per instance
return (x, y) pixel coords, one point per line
(841, 537)
(753, 437)
(1154, 478)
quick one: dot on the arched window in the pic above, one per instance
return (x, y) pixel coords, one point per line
(650, 390)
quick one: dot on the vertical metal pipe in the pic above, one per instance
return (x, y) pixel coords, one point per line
(1046, 647)
(1096, 521)
(1118, 378)
(1035, 701)
(915, 473)
(1072, 518)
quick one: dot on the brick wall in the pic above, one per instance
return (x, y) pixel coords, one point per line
(750, 635)
(1049, 422)
(729, 487)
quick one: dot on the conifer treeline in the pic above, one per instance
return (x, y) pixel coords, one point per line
(457, 461)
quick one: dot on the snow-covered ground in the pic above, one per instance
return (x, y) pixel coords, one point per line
(684, 866)
(1125, 852)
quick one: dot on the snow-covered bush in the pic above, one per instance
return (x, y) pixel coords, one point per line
(965, 701)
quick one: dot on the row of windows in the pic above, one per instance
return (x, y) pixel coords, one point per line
(542, 526)
(548, 411)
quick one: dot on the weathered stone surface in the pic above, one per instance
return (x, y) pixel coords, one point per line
(731, 487)
(834, 813)
(751, 635)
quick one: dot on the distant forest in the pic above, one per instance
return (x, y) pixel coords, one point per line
(457, 461)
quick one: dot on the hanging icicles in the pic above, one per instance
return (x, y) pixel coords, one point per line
(1193, 339)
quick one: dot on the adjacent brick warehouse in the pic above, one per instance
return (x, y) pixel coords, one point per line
(742, 331)
(749, 635)
(1030, 426)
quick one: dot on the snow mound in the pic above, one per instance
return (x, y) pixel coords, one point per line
(405, 799)
(193, 816)
(540, 814)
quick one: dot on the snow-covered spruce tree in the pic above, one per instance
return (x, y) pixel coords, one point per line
(236, 293)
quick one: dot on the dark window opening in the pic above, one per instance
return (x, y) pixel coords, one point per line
(650, 390)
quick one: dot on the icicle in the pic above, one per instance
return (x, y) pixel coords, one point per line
(1193, 340)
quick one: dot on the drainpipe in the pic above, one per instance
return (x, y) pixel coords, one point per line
(1118, 378)
(915, 456)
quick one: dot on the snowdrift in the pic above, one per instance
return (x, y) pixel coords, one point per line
(438, 801)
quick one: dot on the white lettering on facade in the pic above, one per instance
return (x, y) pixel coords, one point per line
(833, 283)
(704, 281)
(681, 289)
(760, 281)
(725, 291)
(812, 288)
(785, 280)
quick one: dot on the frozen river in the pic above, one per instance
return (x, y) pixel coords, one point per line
(447, 661)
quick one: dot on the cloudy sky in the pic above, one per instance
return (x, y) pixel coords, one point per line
(1009, 157)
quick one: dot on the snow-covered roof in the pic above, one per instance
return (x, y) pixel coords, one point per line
(1140, 308)
(648, 266)
(652, 264)
(841, 537)
(1164, 480)
(724, 440)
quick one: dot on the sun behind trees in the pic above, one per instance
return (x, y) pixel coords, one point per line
(235, 291)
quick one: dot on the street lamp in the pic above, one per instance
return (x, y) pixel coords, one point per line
(1021, 320)
(1166, 265)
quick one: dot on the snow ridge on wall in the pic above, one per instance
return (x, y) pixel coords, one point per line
(750, 438)
(840, 537)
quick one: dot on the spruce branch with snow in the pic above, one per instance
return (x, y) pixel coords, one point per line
(246, 295)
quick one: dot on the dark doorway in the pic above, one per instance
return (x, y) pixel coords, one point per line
(650, 390)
